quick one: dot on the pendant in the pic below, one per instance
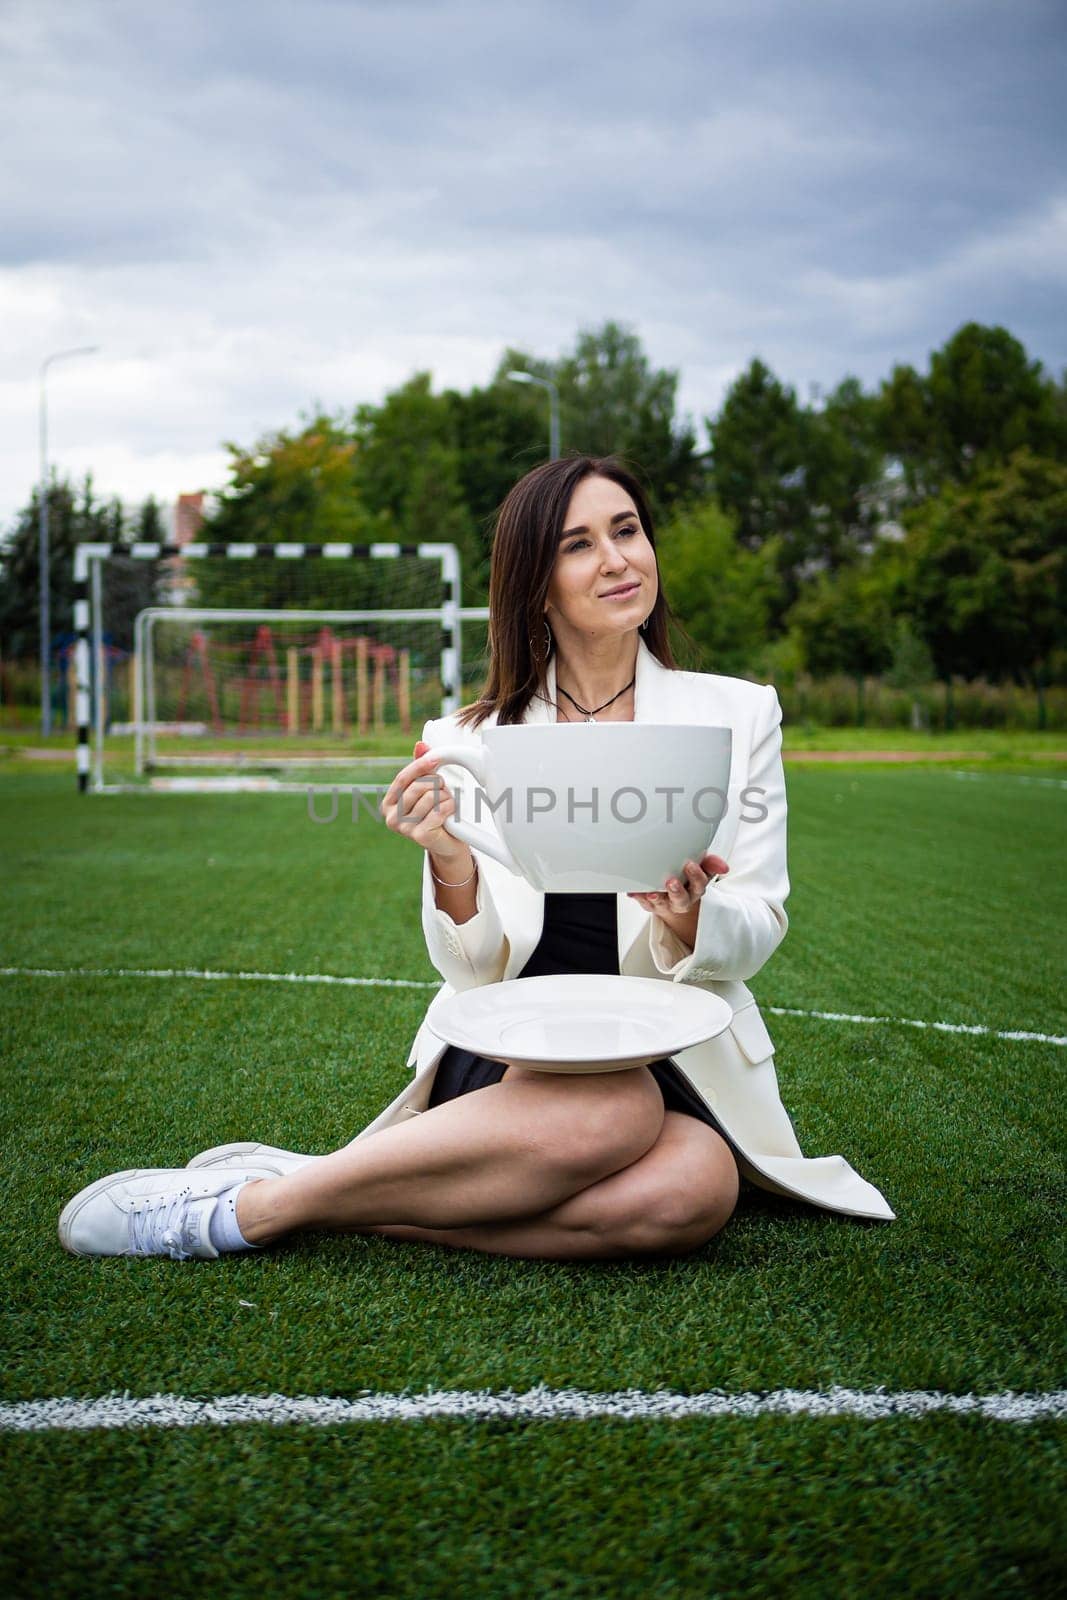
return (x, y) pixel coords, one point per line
(590, 719)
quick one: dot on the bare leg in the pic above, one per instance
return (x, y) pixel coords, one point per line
(513, 1149)
(672, 1200)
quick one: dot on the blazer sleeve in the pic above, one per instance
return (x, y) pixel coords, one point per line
(466, 954)
(741, 920)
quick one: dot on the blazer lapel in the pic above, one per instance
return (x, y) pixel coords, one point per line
(542, 708)
(657, 695)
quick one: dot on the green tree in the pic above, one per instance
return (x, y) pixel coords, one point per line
(407, 471)
(19, 566)
(981, 400)
(149, 528)
(845, 467)
(844, 620)
(812, 479)
(761, 461)
(912, 665)
(614, 402)
(293, 487)
(424, 467)
(721, 592)
(500, 433)
(987, 571)
(75, 516)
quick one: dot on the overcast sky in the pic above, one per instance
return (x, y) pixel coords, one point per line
(256, 206)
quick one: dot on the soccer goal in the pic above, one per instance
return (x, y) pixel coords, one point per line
(207, 667)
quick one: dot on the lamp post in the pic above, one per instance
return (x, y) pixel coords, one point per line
(553, 408)
(42, 541)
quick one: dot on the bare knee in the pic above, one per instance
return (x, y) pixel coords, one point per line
(690, 1198)
(613, 1120)
(680, 1224)
(588, 1125)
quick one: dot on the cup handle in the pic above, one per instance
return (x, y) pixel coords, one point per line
(473, 761)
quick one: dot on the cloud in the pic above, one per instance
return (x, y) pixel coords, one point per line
(252, 208)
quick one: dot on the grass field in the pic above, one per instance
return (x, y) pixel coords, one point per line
(996, 744)
(917, 894)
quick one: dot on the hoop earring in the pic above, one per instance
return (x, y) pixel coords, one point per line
(643, 626)
(548, 639)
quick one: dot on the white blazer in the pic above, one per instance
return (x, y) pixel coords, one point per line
(740, 924)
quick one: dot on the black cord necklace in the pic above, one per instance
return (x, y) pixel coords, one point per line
(590, 716)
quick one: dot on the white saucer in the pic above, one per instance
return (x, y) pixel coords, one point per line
(580, 1022)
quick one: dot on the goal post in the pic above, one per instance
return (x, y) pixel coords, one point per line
(239, 662)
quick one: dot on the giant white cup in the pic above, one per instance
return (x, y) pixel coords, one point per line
(580, 808)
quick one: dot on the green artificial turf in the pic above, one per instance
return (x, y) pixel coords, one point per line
(915, 895)
(1018, 743)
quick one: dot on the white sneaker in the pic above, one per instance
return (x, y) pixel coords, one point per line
(279, 1162)
(149, 1211)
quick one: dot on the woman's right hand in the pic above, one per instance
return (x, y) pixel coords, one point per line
(416, 804)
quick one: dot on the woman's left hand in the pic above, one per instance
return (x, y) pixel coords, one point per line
(681, 894)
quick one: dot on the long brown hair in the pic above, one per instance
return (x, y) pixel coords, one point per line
(525, 542)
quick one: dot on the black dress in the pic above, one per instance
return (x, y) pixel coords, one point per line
(579, 935)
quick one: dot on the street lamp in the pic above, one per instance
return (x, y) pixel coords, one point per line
(553, 407)
(42, 543)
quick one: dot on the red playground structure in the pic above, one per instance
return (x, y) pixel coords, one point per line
(349, 676)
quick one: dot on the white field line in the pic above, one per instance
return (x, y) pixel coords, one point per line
(417, 983)
(218, 977)
(917, 1022)
(1009, 777)
(539, 1404)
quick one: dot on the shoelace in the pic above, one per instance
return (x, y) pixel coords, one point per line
(156, 1229)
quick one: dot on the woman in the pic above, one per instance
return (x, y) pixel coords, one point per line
(490, 1156)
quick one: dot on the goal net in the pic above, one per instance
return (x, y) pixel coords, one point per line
(207, 667)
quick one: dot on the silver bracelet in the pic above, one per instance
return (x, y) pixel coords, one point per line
(458, 885)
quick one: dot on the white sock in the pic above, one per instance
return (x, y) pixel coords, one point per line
(223, 1230)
